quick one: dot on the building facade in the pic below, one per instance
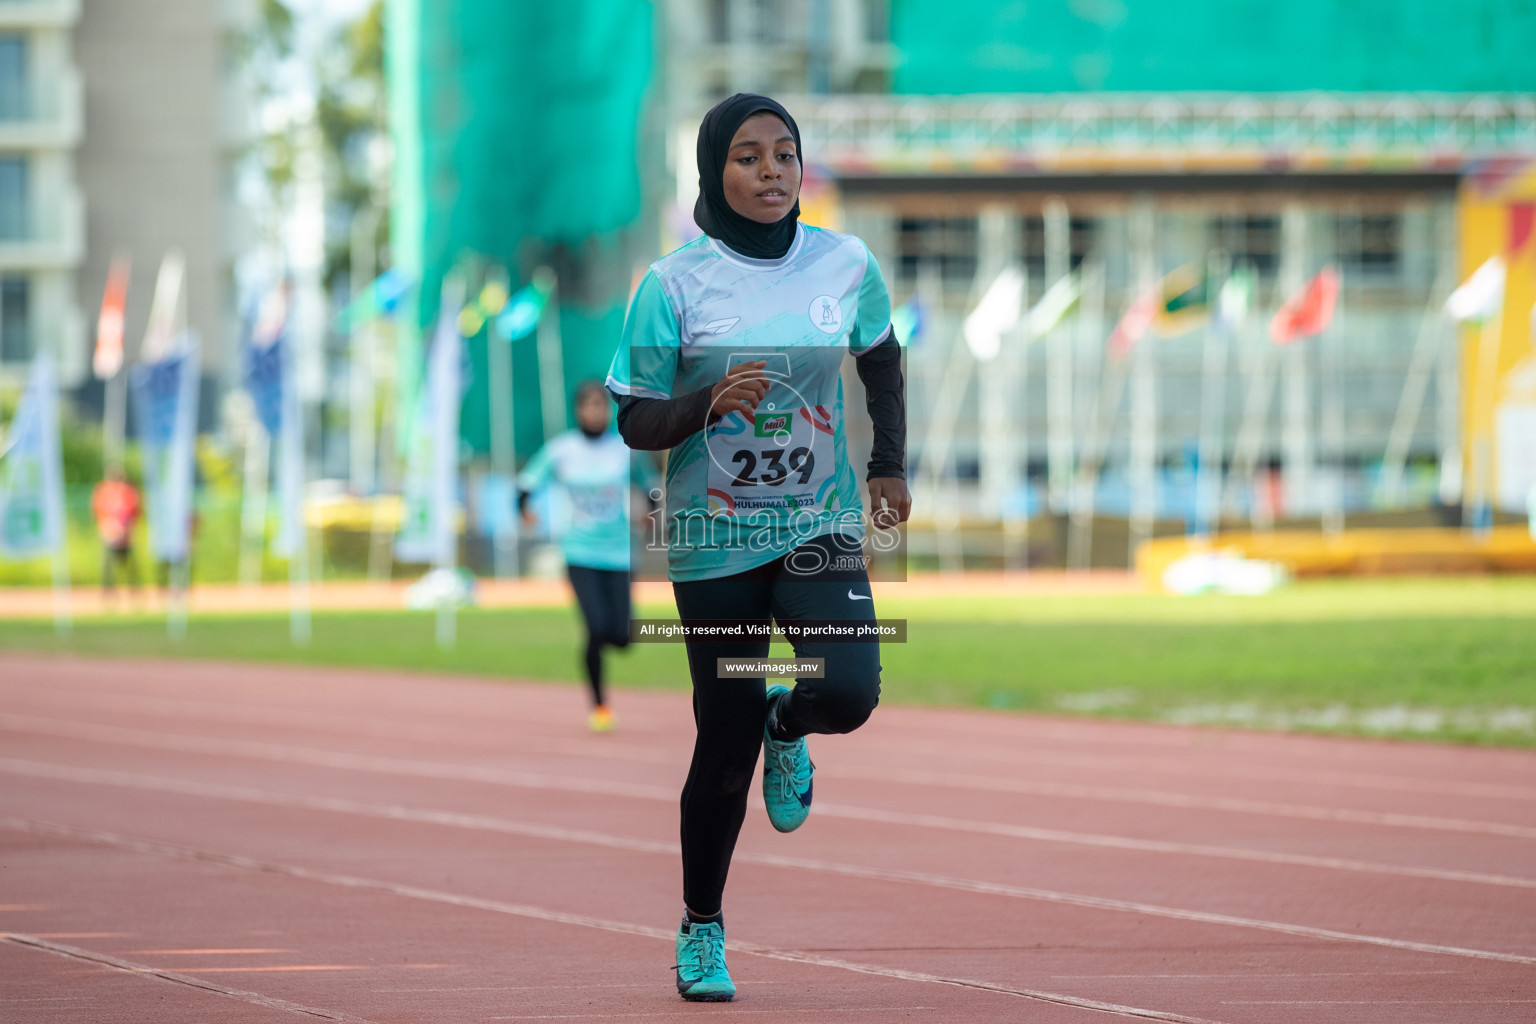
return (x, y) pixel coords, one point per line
(120, 123)
(42, 230)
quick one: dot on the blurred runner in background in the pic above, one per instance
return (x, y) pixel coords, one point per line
(115, 504)
(593, 467)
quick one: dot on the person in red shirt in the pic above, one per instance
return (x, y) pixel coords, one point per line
(115, 504)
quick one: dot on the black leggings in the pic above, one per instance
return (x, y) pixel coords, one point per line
(603, 596)
(811, 583)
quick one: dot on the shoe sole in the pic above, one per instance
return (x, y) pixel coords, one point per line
(712, 997)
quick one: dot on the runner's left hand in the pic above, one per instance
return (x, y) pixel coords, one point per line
(898, 501)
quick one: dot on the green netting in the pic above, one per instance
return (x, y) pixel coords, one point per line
(522, 122)
(993, 46)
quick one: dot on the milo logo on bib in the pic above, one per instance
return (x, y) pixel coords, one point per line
(772, 424)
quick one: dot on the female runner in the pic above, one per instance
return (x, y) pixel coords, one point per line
(596, 470)
(731, 359)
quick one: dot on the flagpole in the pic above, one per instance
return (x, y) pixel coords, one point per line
(1102, 409)
(551, 369)
(1250, 435)
(1213, 401)
(1448, 415)
(443, 378)
(1488, 345)
(1296, 395)
(294, 531)
(937, 454)
(996, 394)
(253, 502)
(179, 494)
(1332, 433)
(63, 613)
(503, 449)
(1143, 440)
(1394, 460)
(1105, 411)
(362, 450)
(380, 550)
(1059, 368)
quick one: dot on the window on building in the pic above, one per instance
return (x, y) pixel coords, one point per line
(717, 19)
(877, 21)
(1253, 239)
(1370, 245)
(1081, 233)
(944, 244)
(13, 197)
(13, 77)
(15, 320)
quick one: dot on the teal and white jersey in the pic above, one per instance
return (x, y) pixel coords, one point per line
(595, 474)
(740, 494)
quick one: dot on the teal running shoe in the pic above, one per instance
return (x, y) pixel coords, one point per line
(787, 775)
(701, 973)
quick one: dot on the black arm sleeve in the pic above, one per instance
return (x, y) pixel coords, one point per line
(886, 394)
(657, 424)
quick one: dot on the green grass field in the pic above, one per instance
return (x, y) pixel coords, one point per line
(1447, 659)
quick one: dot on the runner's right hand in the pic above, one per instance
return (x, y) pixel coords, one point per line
(742, 387)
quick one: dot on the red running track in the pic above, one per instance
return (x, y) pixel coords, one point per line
(194, 842)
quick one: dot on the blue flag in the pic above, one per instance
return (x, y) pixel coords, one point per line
(165, 394)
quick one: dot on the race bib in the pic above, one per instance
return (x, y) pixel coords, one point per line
(781, 461)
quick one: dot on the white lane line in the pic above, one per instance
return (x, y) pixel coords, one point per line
(175, 978)
(585, 921)
(1160, 798)
(1130, 906)
(1159, 846)
(1481, 1001)
(395, 766)
(488, 823)
(1136, 765)
(204, 745)
(306, 719)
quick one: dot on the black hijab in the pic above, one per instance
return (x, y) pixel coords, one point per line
(712, 213)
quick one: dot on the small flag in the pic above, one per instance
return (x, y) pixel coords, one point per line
(1522, 218)
(1308, 312)
(494, 296)
(265, 355)
(1133, 325)
(997, 312)
(381, 298)
(109, 326)
(1234, 299)
(1059, 300)
(521, 313)
(1184, 301)
(165, 310)
(1480, 296)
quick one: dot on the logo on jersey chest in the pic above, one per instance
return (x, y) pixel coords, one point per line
(826, 314)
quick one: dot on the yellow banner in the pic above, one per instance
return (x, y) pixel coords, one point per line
(1496, 217)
